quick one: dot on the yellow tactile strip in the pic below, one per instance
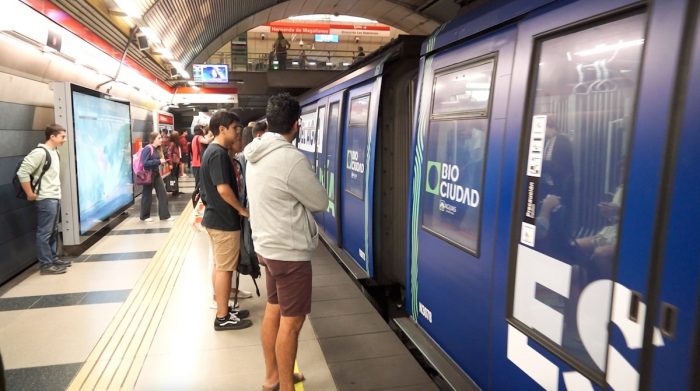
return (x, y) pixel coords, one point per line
(117, 359)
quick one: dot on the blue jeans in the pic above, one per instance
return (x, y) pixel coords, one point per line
(47, 231)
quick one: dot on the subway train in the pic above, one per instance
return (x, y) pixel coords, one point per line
(525, 182)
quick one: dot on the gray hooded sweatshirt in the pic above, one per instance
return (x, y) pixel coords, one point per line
(283, 190)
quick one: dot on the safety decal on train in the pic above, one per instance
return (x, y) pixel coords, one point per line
(354, 164)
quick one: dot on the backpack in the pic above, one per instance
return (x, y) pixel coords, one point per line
(36, 186)
(142, 176)
(248, 263)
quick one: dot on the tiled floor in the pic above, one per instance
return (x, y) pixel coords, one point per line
(50, 324)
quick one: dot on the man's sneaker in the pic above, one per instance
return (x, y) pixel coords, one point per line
(52, 269)
(171, 218)
(230, 304)
(230, 322)
(62, 262)
(242, 294)
(238, 313)
(148, 220)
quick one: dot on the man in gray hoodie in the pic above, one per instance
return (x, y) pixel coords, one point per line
(283, 190)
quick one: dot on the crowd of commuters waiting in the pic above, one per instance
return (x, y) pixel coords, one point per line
(253, 173)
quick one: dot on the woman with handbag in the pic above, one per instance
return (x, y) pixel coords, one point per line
(152, 158)
(174, 157)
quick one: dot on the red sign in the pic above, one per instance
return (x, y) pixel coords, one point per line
(319, 28)
(166, 119)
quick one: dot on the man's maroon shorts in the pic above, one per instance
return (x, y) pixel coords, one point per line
(289, 285)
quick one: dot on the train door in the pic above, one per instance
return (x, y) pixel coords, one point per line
(357, 176)
(455, 183)
(677, 315)
(328, 163)
(306, 139)
(593, 135)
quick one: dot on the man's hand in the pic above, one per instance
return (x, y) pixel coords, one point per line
(31, 197)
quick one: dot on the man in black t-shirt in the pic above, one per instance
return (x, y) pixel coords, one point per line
(222, 216)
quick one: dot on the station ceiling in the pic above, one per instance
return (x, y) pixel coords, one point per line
(193, 30)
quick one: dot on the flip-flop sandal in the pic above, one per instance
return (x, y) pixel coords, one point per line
(298, 378)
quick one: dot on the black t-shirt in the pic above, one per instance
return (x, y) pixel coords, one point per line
(216, 170)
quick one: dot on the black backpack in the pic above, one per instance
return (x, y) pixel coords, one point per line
(36, 186)
(248, 263)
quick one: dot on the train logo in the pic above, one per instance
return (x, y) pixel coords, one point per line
(443, 181)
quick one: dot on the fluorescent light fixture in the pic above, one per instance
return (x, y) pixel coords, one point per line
(129, 8)
(295, 62)
(604, 47)
(345, 64)
(330, 64)
(165, 53)
(150, 34)
(184, 74)
(312, 63)
(190, 82)
(332, 18)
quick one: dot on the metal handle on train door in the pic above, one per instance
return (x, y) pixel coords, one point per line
(669, 319)
(635, 300)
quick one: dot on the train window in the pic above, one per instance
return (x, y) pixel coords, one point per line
(466, 90)
(333, 125)
(356, 142)
(306, 140)
(455, 154)
(581, 110)
(359, 110)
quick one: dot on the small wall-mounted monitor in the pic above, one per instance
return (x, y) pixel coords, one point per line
(326, 38)
(210, 73)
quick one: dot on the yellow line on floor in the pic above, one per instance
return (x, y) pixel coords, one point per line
(299, 386)
(118, 357)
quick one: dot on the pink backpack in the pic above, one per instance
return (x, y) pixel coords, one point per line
(142, 176)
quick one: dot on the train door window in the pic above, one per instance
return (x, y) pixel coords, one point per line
(578, 132)
(356, 141)
(332, 149)
(320, 136)
(455, 152)
(306, 140)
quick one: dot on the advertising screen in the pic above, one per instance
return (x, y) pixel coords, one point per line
(326, 38)
(208, 73)
(102, 141)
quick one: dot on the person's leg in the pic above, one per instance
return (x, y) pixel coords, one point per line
(195, 172)
(53, 241)
(268, 335)
(222, 287)
(270, 329)
(162, 196)
(293, 283)
(286, 349)
(146, 201)
(46, 220)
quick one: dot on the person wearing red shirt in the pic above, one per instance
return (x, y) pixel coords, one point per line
(198, 143)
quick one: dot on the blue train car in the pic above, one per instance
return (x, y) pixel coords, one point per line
(356, 132)
(553, 237)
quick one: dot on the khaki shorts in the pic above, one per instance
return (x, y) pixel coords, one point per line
(226, 246)
(289, 285)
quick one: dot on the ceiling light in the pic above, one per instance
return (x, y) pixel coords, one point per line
(150, 33)
(603, 48)
(129, 8)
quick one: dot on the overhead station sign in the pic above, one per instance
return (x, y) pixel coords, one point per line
(324, 28)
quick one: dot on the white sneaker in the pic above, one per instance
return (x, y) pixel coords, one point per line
(171, 218)
(212, 305)
(242, 294)
(148, 220)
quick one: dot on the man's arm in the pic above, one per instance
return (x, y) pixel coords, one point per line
(229, 196)
(305, 187)
(29, 165)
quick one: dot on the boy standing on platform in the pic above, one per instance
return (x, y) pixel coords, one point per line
(283, 190)
(222, 217)
(47, 197)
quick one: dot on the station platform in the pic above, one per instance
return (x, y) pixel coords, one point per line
(133, 312)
